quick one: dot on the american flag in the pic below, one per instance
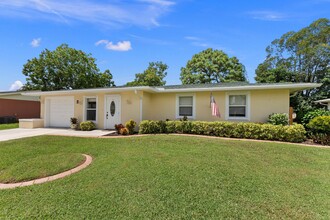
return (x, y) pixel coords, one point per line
(214, 108)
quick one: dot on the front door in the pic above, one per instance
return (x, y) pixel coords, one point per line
(112, 111)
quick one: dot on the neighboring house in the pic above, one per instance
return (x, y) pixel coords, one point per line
(324, 102)
(14, 104)
(109, 106)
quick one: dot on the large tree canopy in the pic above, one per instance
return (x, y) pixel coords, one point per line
(153, 76)
(212, 66)
(64, 68)
(302, 56)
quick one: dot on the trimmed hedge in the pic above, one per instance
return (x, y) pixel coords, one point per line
(278, 119)
(320, 129)
(87, 126)
(312, 114)
(130, 125)
(295, 133)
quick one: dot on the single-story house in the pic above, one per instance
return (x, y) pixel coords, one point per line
(109, 106)
(14, 104)
(324, 102)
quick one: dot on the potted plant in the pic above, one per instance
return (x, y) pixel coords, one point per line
(74, 123)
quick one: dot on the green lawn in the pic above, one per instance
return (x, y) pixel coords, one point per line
(8, 126)
(18, 167)
(173, 177)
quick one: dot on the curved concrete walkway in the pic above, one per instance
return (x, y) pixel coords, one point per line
(87, 162)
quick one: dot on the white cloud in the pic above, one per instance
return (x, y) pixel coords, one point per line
(200, 44)
(160, 2)
(267, 15)
(192, 38)
(196, 41)
(36, 42)
(119, 46)
(16, 86)
(109, 13)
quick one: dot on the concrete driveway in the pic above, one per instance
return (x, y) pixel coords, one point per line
(11, 134)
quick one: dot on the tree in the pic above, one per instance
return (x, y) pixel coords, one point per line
(212, 66)
(153, 76)
(64, 68)
(302, 56)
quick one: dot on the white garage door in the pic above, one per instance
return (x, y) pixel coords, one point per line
(59, 110)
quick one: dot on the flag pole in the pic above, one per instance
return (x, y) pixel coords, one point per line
(211, 96)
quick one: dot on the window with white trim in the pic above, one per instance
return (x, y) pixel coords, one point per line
(185, 106)
(91, 109)
(238, 105)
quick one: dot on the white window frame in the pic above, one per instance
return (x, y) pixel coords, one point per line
(85, 107)
(248, 105)
(193, 95)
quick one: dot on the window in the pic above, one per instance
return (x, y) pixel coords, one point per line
(238, 106)
(90, 109)
(185, 106)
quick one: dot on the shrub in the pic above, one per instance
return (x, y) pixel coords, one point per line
(312, 114)
(320, 129)
(74, 121)
(118, 127)
(184, 118)
(87, 126)
(294, 133)
(278, 119)
(124, 131)
(130, 125)
(149, 127)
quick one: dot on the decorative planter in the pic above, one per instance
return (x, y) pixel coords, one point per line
(74, 126)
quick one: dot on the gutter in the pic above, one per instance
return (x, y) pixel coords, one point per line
(294, 87)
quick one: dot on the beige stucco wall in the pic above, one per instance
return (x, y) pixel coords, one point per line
(262, 104)
(31, 123)
(130, 106)
(147, 105)
(162, 106)
(265, 102)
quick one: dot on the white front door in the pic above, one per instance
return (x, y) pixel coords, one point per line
(112, 111)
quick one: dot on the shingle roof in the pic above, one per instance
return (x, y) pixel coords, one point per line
(217, 85)
(292, 87)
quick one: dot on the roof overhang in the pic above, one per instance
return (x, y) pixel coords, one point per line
(323, 101)
(9, 93)
(291, 87)
(91, 91)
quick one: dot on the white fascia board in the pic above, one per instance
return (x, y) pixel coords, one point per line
(91, 91)
(10, 93)
(291, 87)
(323, 101)
(300, 86)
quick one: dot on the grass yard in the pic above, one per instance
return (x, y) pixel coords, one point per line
(172, 177)
(8, 126)
(18, 167)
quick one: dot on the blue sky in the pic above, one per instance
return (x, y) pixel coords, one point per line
(124, 36)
